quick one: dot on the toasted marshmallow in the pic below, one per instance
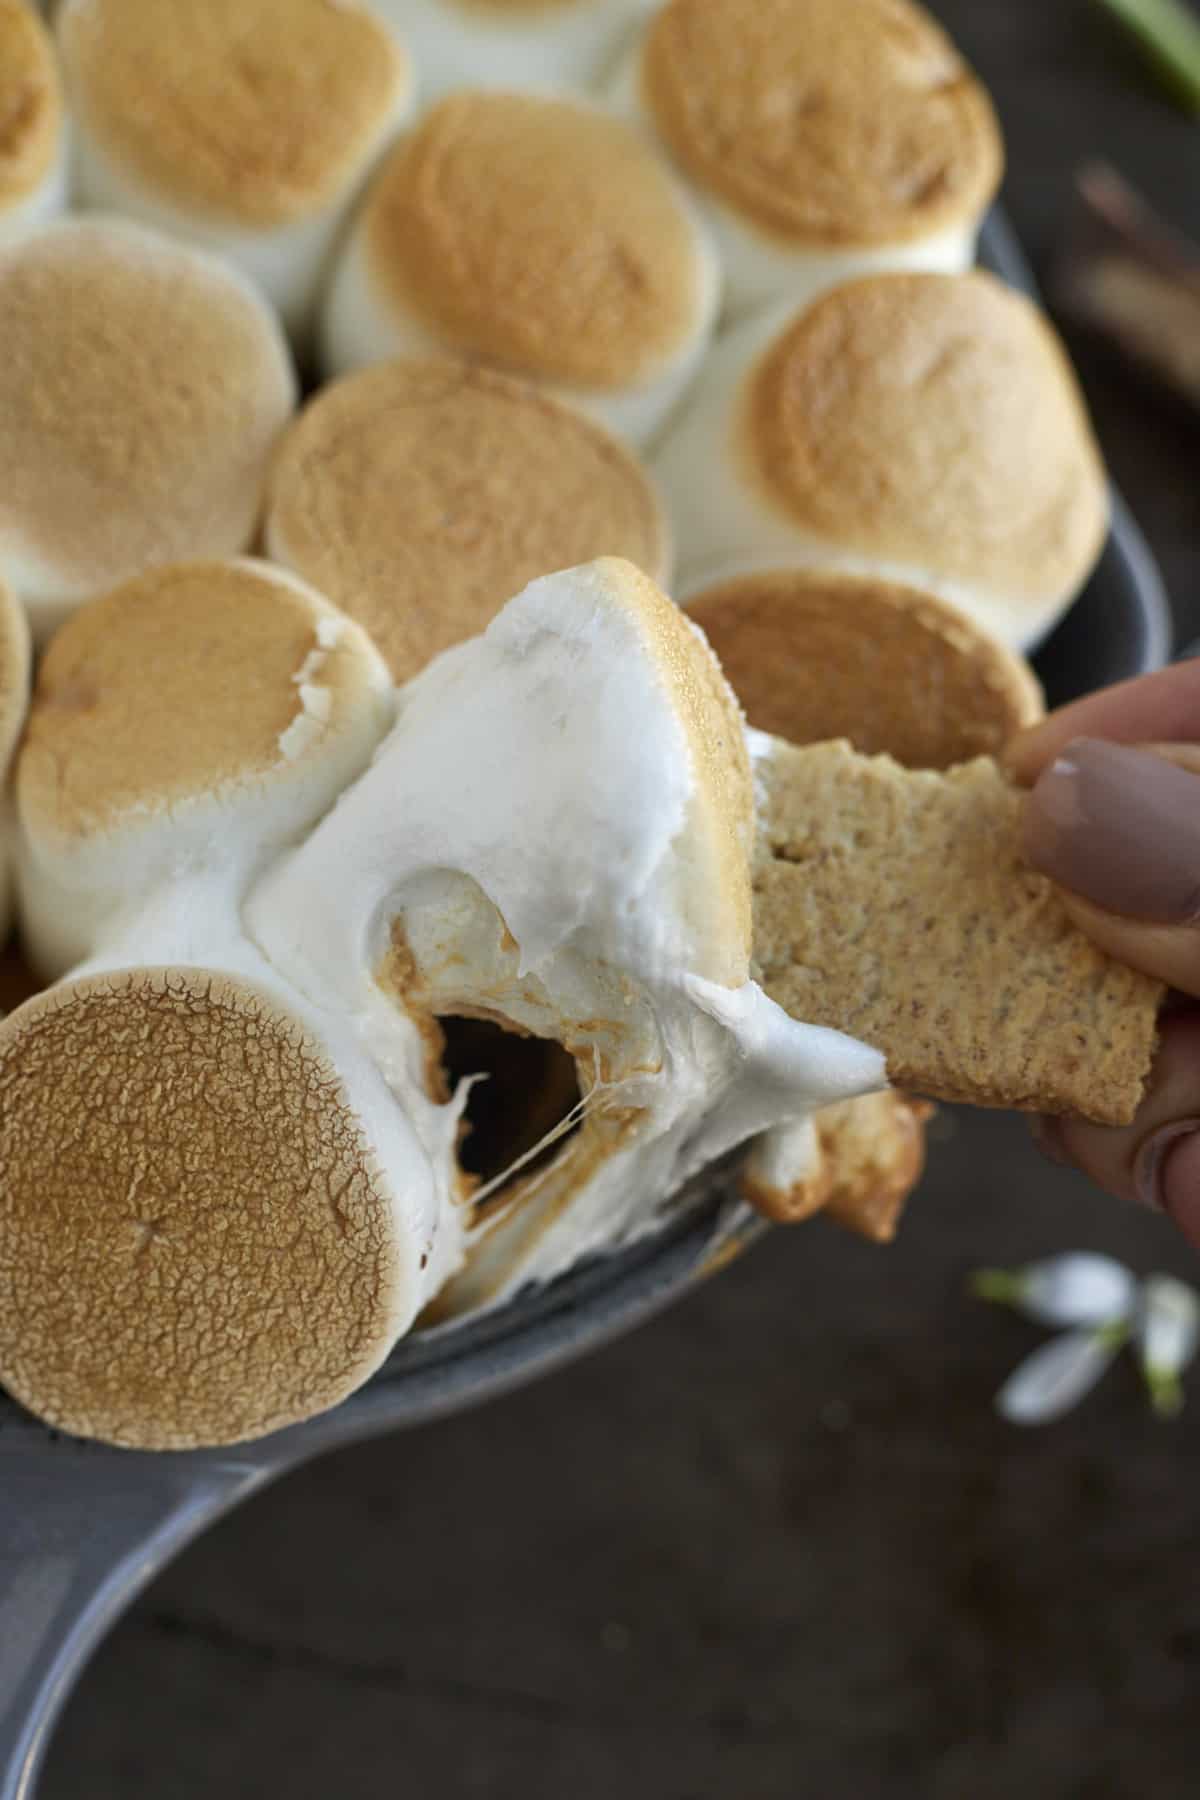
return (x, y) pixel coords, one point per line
(219, 1199)
(142, 389)
(33, 130)
(556, 837)
(242, 126)
(205, 715)
(922, 429)
(421, 494)
(15, 659)
(511, 43)
(826, 139)
(813, 656)
(229, 1177)
(539, 235)
(225, 1219)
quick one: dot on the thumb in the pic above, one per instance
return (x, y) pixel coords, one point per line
(1119, 830)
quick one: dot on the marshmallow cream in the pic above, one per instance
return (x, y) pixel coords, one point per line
(535, 838)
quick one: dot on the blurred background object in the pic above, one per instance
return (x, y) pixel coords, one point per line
(1130, 278)
(1169, 34)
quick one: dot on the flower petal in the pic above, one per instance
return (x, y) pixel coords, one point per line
(1168, 1336)
(1077, 1288)
(1057, 1376)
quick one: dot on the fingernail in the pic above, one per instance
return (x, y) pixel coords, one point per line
(1150, 1169)
(1121, 828)
(1047, 1136)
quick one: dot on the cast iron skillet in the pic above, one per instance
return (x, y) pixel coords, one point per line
(84, 1528)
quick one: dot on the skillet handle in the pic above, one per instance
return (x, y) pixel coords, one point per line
(82, 1530)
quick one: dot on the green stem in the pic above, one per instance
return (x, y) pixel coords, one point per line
(1166, 1392)
(1000, 1285)
(1169, 32)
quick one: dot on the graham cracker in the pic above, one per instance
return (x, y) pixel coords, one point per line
(894, 904)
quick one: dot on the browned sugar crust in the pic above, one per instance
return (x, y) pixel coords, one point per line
(827, 123)
(141, 392)
(421, 495)
(179, 684)
(932, 421)
(813, 655)
(260, 112)
(31, 109)
(195, 1244)
(538, 234)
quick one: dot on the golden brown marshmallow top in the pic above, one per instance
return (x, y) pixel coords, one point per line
(931, 421)
(31, 111)
(814, 655)
(538, 234)
(175, 686)
(825, 122)
(196, 1245)
(421, 495)
(141, 391)
(259, 112)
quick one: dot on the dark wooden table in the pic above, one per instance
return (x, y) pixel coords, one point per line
(776, 1545)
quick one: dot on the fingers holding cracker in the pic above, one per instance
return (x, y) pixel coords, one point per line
(896, 905)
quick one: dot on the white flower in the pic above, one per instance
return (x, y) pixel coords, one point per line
(1103, 1308)
(1168, 1335)
(1058, 1375)
(1079, 1288)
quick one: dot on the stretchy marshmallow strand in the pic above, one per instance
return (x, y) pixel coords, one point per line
(33, 137)
(512, 43)
(242, 126)
(538, 235)
(143, 387)
(825, 140)
(422, 494)
(216, 1216)
(925, 429)
(556, 836)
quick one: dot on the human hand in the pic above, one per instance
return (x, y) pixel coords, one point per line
(1114, 819)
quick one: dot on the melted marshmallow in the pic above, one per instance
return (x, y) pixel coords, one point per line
(525, 825)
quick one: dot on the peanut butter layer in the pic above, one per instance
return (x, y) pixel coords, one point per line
(539, 234)
(30, 102)
(255, 111)
(421, 495)
(823, 122)
(195, 1244)
(175, 685)
(932, 421)
(813, 655)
